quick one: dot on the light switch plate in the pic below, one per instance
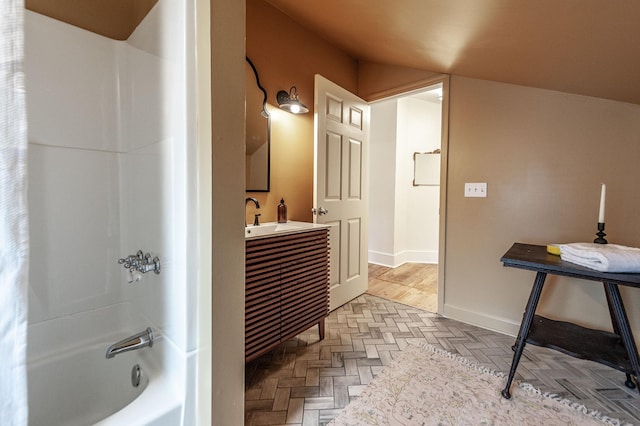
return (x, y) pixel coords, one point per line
(477, 189)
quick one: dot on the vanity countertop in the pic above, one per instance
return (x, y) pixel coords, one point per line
(271, 229)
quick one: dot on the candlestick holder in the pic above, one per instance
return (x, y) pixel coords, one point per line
(600, 234)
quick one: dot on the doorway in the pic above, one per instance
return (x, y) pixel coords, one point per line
(407, 137)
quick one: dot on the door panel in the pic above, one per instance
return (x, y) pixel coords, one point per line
(333, 108)
(333, 186)
(341, 185)
(355, 169)
(355, 118)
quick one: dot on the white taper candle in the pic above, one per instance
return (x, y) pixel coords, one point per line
(603, 192)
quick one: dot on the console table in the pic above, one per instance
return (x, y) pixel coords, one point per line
(617, 350)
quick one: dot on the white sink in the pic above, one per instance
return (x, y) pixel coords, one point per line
(274, 228)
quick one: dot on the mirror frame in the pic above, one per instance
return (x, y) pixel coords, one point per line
(267, 116)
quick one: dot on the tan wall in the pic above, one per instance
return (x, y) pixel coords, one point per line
(285, 55)
(543, 155)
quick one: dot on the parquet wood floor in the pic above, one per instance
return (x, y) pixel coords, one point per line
(307, 382)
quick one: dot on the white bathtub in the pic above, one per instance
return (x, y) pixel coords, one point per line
(74, 384)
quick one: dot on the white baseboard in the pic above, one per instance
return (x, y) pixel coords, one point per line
(383, 259)
(490, 322)
(395, 260)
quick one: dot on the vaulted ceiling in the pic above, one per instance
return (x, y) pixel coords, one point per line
(588, 47)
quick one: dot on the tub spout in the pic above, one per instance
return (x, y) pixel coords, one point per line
(137, 341)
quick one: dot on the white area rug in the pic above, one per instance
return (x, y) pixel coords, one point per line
(425, 385)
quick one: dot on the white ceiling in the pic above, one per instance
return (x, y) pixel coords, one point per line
(588, 47)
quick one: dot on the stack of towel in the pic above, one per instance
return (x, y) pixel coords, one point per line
(602, 257)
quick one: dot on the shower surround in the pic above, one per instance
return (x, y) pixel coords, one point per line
(112, 161)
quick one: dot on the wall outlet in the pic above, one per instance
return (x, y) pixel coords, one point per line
(478, 189)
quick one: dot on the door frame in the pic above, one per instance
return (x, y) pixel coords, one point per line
(406, 90)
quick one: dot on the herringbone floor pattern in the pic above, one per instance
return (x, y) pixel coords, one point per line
(307, 382)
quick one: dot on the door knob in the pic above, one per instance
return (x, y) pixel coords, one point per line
(320, 211)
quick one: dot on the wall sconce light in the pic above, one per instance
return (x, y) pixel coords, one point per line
(289, 101)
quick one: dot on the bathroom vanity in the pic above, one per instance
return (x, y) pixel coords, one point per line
(286, 283)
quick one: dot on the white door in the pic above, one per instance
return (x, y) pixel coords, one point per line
(341, 185)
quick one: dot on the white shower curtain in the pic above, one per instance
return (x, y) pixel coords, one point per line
(13, 217)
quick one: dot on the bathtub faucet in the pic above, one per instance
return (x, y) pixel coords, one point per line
(141, 262)
(137, 341)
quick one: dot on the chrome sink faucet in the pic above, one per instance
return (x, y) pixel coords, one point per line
(256, 222)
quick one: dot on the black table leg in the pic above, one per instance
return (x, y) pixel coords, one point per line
(527, 319)
(622, 328)
(614, 321)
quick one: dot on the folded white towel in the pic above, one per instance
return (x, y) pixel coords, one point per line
(602, 257)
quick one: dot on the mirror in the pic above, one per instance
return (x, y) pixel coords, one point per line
(258, 130)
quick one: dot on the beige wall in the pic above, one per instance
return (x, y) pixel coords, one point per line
(227, 237)
(285, 55)
(543, 155)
